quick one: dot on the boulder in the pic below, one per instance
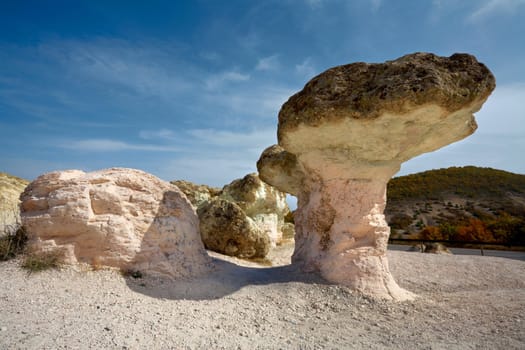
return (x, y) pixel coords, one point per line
(263, 203)
(10, 189)
(288, 231)
(197, 194)
(436, 248)
(226, 229)
(345, 135)
(117, 217)
(420, 248)
(281, 169)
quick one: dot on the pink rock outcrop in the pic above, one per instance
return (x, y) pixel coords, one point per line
(117, 217)
(345, 135)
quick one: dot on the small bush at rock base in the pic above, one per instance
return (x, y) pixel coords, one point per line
(43, 260)
(131, 273)
(12, 243)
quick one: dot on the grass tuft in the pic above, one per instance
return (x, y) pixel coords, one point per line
(43, 260)
(12, 243)
(131, 273)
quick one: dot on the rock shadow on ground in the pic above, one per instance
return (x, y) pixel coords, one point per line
(224, 279)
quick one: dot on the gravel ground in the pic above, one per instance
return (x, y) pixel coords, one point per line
(465, 302)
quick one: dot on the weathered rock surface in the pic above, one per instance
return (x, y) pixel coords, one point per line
(197, 194)
(288, 231)
(225, 228)
(282, 167)
(122, 218)
(10, 189)
(264, 204)
(345, 134)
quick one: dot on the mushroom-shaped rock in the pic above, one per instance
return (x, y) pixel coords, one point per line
(226, 229)
(117, 217)
(345, 134)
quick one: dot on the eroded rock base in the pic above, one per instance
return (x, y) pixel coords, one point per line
(341, 232)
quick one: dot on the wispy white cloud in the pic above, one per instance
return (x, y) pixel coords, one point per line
(162, 134)
(107, 145)
(376, 4)
(211, 56)
(242, 140)
(249, 41)
(216, 157)
(506, 100)
(126, 75)
(218, 80)
(268, 63)
(498, 143)
(146, 70)
(214, 170)
(490, 8)
(314, 3)
(252, 103)
(306, 68)
(51, 115)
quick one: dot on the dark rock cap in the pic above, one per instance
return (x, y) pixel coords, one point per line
(365, 91)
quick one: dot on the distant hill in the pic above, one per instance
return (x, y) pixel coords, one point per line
(458, 203)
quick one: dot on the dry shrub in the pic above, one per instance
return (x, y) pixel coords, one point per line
(43, 260)
(131, 273)
(12, 243)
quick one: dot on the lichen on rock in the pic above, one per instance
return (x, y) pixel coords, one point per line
(263, 206)
(197, 194)
(226, 229)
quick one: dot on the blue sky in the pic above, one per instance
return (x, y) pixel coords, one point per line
(191, 89)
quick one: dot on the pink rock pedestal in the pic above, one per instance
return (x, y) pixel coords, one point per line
(345, 135)
(341, 231)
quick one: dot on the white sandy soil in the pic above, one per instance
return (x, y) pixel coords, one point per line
(465, 302)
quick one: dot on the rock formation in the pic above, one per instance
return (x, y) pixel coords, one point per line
(261, 202)
(288, 231)
(10, 189)
(225, 228)
(341, 139)
(197, 194)
(261, 207)
(122, 218)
